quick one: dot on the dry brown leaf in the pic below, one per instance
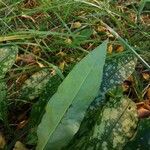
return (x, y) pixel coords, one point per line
(110, 49)
(101, 29)
(2, 141)
(120, 48)
(143, 113)
(62, 54)
(146, 75)
(19, 146)
(62, 65)
(76, 25)
(27, 58)
(145, 19)
(143, 109)
(53, 72)
(109, 35)
(68, 41)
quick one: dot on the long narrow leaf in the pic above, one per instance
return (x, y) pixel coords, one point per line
(67, 107)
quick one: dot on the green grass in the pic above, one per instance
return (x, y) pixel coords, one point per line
(46, 26)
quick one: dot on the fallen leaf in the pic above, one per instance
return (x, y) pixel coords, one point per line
(101, 29)
(76, 25)
(110, 49)
(62, 54)
(109, 35)
(62, 65)
(146, 75)
(120, 48)
(2, 141)
(19, 146)
(143, 113)
(27, 58)
(68, 41)
(143, 109)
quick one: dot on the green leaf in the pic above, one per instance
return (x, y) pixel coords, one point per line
(67, 107)
(35, 85)
(7, 59)
(117, 124)
(114, 127)
(141, 141)
(115, 72)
